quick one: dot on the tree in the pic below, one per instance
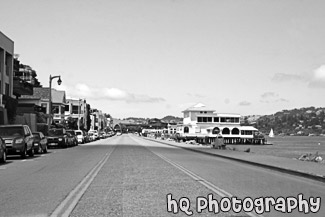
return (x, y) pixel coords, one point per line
(72, 123)
(88, 117)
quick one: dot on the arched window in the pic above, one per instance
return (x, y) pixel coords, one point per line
(117, 127)
(235, 131)
(216, 130)
(225, 131)
(186, 130)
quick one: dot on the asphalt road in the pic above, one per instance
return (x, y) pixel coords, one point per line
(130, 176)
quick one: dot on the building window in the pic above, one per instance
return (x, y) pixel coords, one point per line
(7, 90)
(225, 131)
(216, 130)
(55, 109)
(186, 130)
(210, 119)
(235, 131)
(246, 132)
(7, 61)
(67, 108)
(229, 120)
(75, 109)
(216, 119)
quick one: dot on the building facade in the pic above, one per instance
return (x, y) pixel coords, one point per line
(77, 109)
(201, 121)
(41, 97)
(6, 73)
(98, 120)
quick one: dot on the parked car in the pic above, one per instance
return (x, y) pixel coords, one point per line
(40, 141)
(3, 151)
(58, 138)
(92, 136)
(87, 137)
(81, 136)
(73, 136)
(19, 139)
(95, 132)
(101, 135)
(110, 133)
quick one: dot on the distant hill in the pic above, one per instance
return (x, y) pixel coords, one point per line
(134, 120)
(172, 119)
(303, 121)
(137, 120)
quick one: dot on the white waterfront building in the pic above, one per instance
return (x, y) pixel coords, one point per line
(200, 121)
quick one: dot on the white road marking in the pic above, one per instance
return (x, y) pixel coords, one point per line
(197, 178)
(65, 208)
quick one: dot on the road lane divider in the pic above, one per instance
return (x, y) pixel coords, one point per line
(66, 207)
(222, 193)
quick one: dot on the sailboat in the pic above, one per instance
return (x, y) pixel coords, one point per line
(271, 134)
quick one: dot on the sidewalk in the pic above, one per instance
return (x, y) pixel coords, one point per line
(311, 170)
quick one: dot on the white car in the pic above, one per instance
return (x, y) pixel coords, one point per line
(81, 136)
(95, 132)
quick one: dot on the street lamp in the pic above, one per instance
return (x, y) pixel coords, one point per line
(79, 114)
(50, 97)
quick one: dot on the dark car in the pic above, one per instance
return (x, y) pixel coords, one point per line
(19, 140)
(3, 151)
(40, 141)
(58, 138)
(73, 136)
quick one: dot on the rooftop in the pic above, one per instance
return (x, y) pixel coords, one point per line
(199, 107)
(58, 96)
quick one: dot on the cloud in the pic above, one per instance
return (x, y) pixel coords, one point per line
(282, 100)
(196, 95)
(318, 78)
(245, 103)
(282, 77)
(269, 95)
(112, 94)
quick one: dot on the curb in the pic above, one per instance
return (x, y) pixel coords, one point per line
(275, 168)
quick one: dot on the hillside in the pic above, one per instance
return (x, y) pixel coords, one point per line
(166, 119)
(172, 119)
(303, 121)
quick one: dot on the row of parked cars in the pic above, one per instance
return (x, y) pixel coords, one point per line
(20, 140)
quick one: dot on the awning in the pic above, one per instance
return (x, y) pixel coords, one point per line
(247, 128)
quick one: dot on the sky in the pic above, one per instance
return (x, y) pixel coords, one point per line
(153, 58)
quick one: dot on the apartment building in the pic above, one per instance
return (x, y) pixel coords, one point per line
(77, 109)
(6, 74)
